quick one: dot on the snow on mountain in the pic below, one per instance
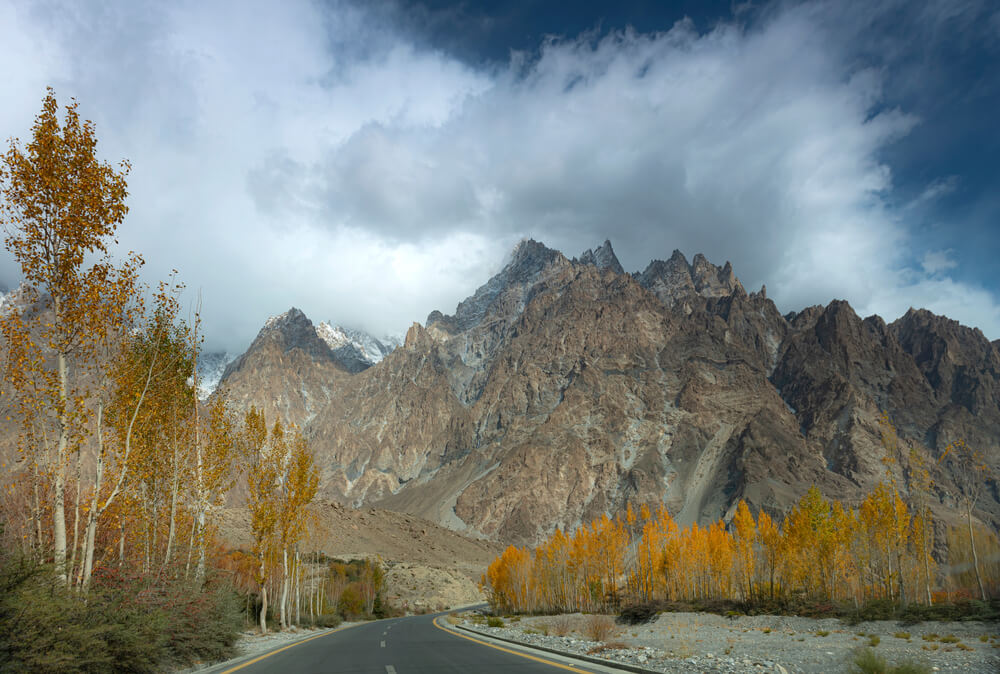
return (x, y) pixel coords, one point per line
(371, 350)
(17, 298)
(210, 369)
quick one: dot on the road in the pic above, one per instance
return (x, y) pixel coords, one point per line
(412, 645)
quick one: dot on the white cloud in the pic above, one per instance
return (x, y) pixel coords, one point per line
(295, 154)
(937, 261)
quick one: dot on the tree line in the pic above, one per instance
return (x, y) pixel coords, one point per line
(119, 467)
(821, 550)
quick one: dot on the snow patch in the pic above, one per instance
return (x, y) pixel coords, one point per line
(371, 349)
(211, 366)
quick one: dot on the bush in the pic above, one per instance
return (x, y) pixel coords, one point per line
(599, 627)
(562, 625)
(494, 621)
(328, 620)
(638, 614)
(126, 623)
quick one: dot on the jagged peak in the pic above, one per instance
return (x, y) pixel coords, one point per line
(675, 278)
(602, 257)
(937, 323)
(293, 315)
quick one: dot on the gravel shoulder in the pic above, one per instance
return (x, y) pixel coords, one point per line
(701, 642)
(252, 643)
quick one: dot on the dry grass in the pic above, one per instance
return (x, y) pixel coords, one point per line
(561, 625)
(599, 627)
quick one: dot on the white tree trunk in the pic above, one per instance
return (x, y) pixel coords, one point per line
(59, 475)
(283, 604)
(975, 556)
(263, 608)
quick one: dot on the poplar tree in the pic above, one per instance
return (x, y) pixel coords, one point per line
(61, 208)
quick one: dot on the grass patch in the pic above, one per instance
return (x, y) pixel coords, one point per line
(822, 633)
(873, 640)
(902, 635)
(494, 621)
(867, 661)
(950, 639)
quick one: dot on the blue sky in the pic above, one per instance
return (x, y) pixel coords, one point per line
(370, 162)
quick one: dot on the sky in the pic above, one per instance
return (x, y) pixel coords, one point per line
(369, 162)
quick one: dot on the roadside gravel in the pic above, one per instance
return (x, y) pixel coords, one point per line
(700, 642)
(252, 642)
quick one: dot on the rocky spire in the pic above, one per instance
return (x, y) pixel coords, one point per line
(602, 257)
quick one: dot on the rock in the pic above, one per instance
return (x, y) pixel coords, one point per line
(560, 390)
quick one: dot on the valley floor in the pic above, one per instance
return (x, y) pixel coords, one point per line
(701, 642)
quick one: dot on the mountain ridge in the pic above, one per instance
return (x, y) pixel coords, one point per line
(565, 388)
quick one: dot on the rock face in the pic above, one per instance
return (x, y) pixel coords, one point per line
(563, 389)
(287, 372)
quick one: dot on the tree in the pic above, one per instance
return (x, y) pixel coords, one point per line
(969, 469)
(61, 208)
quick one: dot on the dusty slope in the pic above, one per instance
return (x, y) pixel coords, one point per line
(428, 566)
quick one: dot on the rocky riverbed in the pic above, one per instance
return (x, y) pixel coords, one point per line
(699, 642)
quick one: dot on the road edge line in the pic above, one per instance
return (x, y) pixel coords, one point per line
(508, 650)
(573, 656)
(264, 656)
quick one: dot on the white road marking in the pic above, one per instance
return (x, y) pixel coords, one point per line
(383, 644)
(383, 633)
(389, 669)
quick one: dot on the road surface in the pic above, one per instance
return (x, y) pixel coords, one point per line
(412, 645)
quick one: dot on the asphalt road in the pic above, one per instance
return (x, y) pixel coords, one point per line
(412, 645)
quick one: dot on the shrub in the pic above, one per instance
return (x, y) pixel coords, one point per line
(329, 620)
(866, 661)
(637, 614)
(494, 621)
(562, 625)
(599, 627)
(902, 635)
(873, 640)
(950, 639)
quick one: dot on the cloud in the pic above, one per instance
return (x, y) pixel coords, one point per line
(311, 155)
(937, 261)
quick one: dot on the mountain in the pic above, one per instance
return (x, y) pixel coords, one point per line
(211, 366)
(356, 349)
(563, 389)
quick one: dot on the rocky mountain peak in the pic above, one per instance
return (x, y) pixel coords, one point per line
(675, 279)
(528, 259)
(602, 257)
(293, 330)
